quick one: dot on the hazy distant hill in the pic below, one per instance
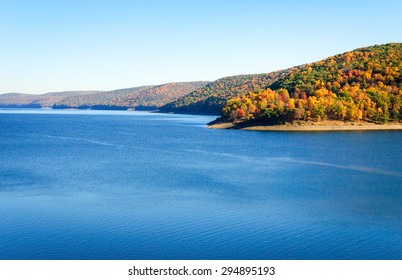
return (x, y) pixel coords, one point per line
(211, 98)
(36, 101)
(49, 99)
(17, 100)
(145, 97)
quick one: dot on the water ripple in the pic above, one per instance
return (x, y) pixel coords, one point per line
(91, 141)
(350, 167)
(267, 160)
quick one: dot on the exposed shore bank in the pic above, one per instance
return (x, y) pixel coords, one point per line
(312, 126)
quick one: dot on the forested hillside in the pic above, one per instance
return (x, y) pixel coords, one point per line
(364, 84)
(211, 98)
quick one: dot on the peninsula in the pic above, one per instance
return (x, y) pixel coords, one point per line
(357, 90)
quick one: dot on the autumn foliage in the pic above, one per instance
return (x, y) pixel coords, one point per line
(365, 84)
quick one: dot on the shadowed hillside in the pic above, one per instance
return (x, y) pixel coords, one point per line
(211, 98)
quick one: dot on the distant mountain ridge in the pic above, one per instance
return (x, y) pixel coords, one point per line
(17, 100)
(23, 100)
(145, 97)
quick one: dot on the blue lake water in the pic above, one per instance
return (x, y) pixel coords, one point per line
(137, 185)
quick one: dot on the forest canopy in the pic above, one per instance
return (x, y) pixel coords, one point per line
(365, 84)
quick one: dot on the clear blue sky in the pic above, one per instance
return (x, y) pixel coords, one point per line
(68, 45)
